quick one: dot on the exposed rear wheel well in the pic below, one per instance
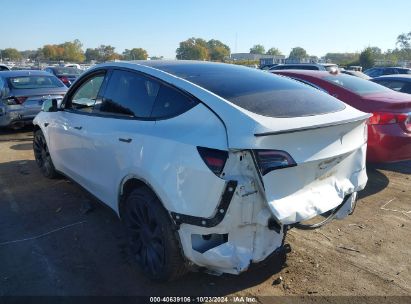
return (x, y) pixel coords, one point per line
(36, 128)
(127, 187)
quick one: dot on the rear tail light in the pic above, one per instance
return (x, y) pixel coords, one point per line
(65, 80)
(269, 160)
(386, 118)
(16, 100)
(20, 100)
(214, 159)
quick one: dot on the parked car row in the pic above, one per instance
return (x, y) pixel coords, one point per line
(67, 75)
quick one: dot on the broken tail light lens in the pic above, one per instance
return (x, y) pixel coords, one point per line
(214, 159)
(269, 160)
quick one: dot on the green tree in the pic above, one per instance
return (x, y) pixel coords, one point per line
(403, 40)
(257, 49)
(67, 51)
(367, 58)
(135, 54)
(107, 53)
(11, 54)
(298, 53)
(92, 54)
(192, 49)
(274, 52)
(72, 51)
(217, 50)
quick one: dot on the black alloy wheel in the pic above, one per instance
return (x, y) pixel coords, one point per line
(42, 155)
(152, 239)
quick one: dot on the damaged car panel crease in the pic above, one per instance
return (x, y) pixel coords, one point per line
(207, 164)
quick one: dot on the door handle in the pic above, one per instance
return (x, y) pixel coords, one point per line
(126, 140)
(46, 124)
(78, 128)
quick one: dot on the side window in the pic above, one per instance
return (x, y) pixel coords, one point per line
(1, 83)
(394, 85)
(85, 96)
(171, 102)
(129, 94)
(375, 73)
(406, 88)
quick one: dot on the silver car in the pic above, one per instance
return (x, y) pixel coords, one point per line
(22, 94)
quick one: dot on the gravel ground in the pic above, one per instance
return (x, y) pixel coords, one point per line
(367, 254)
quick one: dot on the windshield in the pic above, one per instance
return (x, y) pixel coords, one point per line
(356, 84)
(67, 71)
(35, 82)
(257, 91)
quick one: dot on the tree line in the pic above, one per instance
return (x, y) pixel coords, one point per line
(200, 49)
(72, 51)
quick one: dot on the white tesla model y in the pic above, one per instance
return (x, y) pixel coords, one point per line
(207, 164)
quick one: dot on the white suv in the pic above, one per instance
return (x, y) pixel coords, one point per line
(207, 164)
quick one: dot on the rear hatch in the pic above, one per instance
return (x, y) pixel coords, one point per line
(328, 164)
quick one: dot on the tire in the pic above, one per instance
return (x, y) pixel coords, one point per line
(152, 239)
(42, 155)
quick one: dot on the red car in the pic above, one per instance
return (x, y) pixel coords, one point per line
(389, 128)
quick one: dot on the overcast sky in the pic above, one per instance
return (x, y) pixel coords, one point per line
(319, 26)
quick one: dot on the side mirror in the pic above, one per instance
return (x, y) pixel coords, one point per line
(50, 105)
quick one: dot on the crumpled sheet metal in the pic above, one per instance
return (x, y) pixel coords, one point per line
(323, 194)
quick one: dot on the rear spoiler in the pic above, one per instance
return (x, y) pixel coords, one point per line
(319, 126)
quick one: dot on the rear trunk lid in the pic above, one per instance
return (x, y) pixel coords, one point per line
(330, 165)
(329, 152)
(390, 101)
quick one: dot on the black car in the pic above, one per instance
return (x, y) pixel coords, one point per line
(399, 83)
(22, 94)
(380, 71)
(66, 74)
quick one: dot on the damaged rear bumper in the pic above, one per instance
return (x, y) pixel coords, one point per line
(247, 227)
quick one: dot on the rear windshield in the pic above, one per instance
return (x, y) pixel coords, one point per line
(257, 91)
(35, 82)
(67, 71)
(356, 84)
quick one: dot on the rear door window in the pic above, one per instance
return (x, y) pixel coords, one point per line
(129, 94)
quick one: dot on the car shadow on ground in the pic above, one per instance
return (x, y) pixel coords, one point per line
(90, 255)
(10, 135)
(377, 181)
(403, 167)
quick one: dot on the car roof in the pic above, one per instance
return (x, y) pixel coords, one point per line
(188, 68)
(312, 73)
(22, 73)
(396, 76)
